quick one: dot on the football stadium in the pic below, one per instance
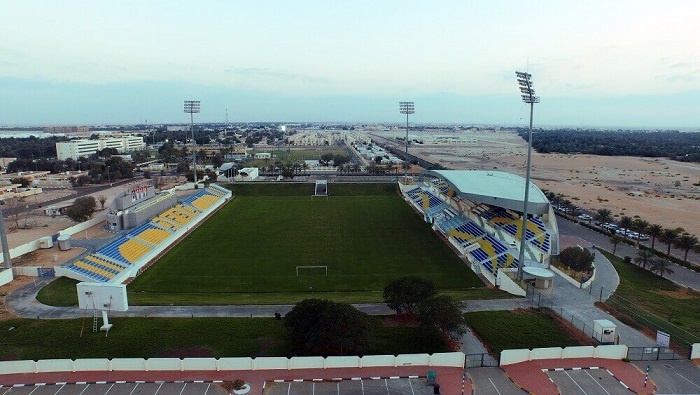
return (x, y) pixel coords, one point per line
(263, 243)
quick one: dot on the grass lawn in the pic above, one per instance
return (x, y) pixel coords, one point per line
(172, 337)
(655, 302)
(248, 252)
(285, 156)
(505, 330)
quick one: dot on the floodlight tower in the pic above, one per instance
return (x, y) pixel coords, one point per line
(192, 107)
(3, 240)
(528, 96)
(406, 107)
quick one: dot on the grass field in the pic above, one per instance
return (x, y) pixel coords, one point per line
(248, 252)
(507, 330)
(656, 302)
(286, 157)
(175, 337)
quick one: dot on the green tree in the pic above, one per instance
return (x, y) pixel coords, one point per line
(661, 266)
(23, 182)
(643, 257)
(82, 209)
(686, 242)
(615, 240)
(577, 258)
(625, 224)
(655, 231)
(325, 158)
(669, 236)
(404, 294)
(102, 199)
(324, 327)
(603, 216)
(444, 314)
(640, 226)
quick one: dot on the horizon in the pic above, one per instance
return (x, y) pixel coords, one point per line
(598, 63)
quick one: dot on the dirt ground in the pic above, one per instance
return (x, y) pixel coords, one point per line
(657, 190)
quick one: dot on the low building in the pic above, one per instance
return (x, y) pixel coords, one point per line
(263, 155)
(247, 174)
(80, 148)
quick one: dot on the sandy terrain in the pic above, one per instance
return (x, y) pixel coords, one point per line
(657, 190)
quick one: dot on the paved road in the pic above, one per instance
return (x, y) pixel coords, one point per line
(682, 276)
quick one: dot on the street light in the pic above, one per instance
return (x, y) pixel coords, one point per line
(528, 96)
(192, 107)
(406, 107)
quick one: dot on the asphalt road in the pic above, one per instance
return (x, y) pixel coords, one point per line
(681, 275)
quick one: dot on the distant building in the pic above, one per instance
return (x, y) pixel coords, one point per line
(79, 148)
(328, 137)
(263, 155)
(67, 129)
(247, 174)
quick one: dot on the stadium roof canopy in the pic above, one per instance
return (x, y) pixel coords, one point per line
(496, 188)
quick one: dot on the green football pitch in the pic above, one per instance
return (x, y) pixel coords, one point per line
(259, 246)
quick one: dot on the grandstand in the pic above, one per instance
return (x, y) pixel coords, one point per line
(480, 213)
(122, 257)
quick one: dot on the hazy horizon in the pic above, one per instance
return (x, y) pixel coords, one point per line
(597, 63)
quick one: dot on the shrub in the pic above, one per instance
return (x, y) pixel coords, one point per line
(577, 258)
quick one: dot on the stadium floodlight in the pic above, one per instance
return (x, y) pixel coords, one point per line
(3, 240)
(406, 107)
(528, 97)
(192, 107)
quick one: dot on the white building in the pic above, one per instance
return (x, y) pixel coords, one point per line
(80, 148)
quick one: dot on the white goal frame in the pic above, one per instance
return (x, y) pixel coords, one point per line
(312, 267)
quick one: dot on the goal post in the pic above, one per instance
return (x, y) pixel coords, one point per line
(313, 267)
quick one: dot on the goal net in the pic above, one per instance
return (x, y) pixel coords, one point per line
(316, 270)
(321, 188)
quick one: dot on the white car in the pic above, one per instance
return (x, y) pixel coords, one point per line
(585, 217)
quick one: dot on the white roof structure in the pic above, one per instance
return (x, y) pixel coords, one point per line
(496, 188)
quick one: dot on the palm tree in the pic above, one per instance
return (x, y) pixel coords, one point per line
(615, 240)
(643, 257)
(685, 243)
(603, 216)
(654, 230)
(640, 226)
(625, 223)
(661, 267)
(669, 236)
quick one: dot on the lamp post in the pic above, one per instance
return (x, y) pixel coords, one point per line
(528, 97)
(192, 107)
(406, 107)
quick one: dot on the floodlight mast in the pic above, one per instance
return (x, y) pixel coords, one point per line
(192, 107)
(7, 262)
(528, 97)
(406, 107)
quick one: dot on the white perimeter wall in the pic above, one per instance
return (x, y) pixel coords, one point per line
(454, 359)
(509, 357)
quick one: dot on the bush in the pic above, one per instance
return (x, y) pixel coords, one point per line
(577, 258)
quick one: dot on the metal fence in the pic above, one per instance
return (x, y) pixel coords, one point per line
(653, 354)
(480, 361)
(633, 316)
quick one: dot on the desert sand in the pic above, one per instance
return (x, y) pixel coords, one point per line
(657, 190)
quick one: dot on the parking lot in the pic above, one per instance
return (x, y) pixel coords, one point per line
(118, 389)
(413, 386)
(587, 382)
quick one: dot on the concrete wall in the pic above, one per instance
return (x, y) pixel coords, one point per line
(455, 359)
(509, 357)
(695, 351)
(5, 276)
(508, 285)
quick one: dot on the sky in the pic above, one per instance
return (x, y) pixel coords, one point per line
(594, 63)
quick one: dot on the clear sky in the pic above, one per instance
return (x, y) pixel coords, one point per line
(594, 63)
